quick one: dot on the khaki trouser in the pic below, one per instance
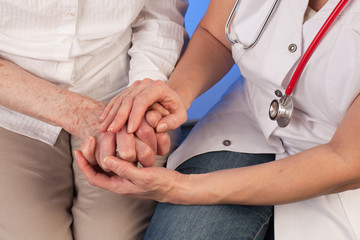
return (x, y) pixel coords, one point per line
(44, 196)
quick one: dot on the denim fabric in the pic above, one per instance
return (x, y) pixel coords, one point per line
(218, 222)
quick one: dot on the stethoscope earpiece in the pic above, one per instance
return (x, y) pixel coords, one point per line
(281, 110)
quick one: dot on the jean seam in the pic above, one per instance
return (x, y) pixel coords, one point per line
(262, 226)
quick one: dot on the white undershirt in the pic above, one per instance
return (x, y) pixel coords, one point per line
(309, 13)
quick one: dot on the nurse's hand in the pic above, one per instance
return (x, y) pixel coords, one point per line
(155, 183)
(130, 106)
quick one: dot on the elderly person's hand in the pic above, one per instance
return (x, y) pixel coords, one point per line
(142, 146)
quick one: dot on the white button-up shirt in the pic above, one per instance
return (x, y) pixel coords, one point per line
(328, 85)
(96, 48)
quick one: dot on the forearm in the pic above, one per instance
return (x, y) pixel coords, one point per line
(205, 62)
(38, 98)
(305, 175)
(207, 57)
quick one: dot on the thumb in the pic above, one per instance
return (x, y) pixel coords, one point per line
(122, 168)
(171, 122)
(88, 150)
(153, 117)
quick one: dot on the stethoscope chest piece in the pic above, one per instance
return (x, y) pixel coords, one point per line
(281, 109)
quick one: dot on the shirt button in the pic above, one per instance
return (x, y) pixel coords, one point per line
(226, 143)
(70, 13)
(65, 41)
(292, 48)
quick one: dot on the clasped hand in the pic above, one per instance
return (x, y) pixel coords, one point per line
(141, 146)
(150, 103)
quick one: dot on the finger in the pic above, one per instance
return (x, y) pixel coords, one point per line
(117, 99)
(121, 109)
(106, 148)
(159, 108)
(111, 115)
(146, 133)
(171, 122)
(153, 118)
(106, 111)
(125, 145)
(119, 120)
(123, 169)
(145, 154)
(108, 108)
(158, 92)
(93, 177)
(163, 143)
(112, 108)
(88, 150)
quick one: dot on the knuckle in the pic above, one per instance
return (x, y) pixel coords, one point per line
(91, 182)
(128, 155)
(159, 82)
(136, 83)
(146, 152)
(128, 101)
(147, 80)
(141, 97)
(163, 137)
(147, 178)
(121, 171)
(144, 131)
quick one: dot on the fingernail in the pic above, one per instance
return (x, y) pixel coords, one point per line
(88, 142)
(162, 127)
(111, 127)
(76, 153)
(130, 128)
(109, 162)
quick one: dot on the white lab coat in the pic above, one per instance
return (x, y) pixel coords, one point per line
(324, 92)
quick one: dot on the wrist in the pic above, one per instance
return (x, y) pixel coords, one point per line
(186, 190)
(184, 94)
(76, 113)
(198, 189)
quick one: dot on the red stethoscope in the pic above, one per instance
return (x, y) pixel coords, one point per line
(281, 109)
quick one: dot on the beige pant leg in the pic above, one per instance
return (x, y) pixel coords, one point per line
(101, 214)
(35, 188)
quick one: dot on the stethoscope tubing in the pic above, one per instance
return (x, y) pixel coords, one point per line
(313, 45)
(259, 32)
(281, 110)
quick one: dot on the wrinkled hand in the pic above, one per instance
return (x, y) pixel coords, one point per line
(155, 183)
(130, 106)
(84, 123)
(143, 146)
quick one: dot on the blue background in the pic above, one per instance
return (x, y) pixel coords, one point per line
(203, 103)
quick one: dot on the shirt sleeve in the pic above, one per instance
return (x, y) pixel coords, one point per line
(157, 40)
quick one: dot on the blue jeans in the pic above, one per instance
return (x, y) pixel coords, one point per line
(216, 222)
